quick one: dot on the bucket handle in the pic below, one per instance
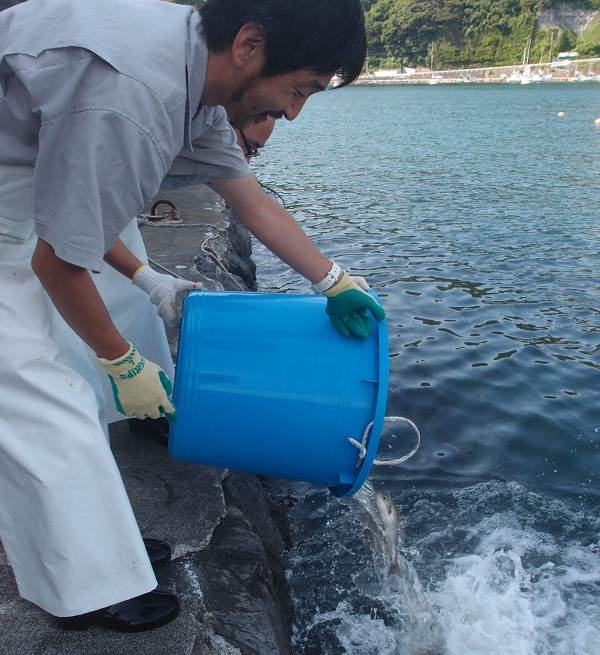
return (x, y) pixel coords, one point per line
(362, 444)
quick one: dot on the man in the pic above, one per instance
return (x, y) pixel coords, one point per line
(98, 102)
(253, 137)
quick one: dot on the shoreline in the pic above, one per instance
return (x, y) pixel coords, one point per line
(582, 70)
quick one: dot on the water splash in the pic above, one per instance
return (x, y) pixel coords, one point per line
(524, 589)
(364, 609)
(489, 569)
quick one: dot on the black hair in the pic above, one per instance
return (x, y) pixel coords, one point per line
(325, 36)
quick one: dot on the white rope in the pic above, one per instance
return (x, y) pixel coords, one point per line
(362, 444)
(404, 458)
(143, 219)
(214, 257)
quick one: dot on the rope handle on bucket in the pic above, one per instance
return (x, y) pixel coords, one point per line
(362, 444)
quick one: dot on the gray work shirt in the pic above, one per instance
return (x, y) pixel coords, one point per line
(103, 100)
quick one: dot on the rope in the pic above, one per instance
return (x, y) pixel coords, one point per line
(172, 220)
(165, 269)
(214, 257)
(142, 220)
(268, 189)
(362, 444)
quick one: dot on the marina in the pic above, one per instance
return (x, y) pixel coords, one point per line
(578, 70)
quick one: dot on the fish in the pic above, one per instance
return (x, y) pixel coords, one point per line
(389, 518)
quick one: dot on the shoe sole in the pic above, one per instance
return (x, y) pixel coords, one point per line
(79, 624)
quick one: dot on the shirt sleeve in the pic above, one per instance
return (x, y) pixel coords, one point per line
(95, 170)
(215, 154)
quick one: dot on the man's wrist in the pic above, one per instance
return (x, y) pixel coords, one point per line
(113, 351)
(137, 270)
(332, 277)
(146, 279)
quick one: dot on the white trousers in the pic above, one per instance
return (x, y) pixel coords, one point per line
(65, 520)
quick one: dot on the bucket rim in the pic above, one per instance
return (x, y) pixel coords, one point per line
(379, 417)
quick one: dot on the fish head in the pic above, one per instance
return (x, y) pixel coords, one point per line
(387, 509)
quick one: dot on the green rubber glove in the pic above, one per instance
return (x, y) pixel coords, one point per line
(349, 308)
(140, 387)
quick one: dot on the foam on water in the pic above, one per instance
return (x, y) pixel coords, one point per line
(521, 593)
(355, 633)
(500, 571)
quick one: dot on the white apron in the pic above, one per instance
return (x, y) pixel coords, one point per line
(65, 520)
(134, 316)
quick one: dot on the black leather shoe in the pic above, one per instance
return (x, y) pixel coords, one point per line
(156, 428)
(159, 552)
(144, 612)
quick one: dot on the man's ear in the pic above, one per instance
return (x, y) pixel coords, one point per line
(248, 48)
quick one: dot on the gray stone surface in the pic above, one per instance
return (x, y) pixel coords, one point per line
(208, 246)
(566, 16)
(228, 536)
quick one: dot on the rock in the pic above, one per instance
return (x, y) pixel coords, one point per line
(5, 4)
(243, 574)
(207, 246)
(567, 17)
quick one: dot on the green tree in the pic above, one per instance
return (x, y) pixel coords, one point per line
(465, 32)
(567, 41)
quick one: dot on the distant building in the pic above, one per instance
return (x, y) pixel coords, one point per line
(387, 72)
(564, 59)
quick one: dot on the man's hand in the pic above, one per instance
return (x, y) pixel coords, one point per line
(162, 290)
(349, 305)
(141, 389)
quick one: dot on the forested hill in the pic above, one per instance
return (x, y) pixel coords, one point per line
(459, 33)
(478, 32)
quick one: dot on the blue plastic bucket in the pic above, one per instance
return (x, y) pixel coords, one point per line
(265, 384)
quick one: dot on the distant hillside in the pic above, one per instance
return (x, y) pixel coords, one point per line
(459, 33)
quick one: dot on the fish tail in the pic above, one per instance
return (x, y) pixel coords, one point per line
(394, 569)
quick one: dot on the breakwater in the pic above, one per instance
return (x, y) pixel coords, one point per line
(582, 70)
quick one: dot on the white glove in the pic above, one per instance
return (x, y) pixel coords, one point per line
(162, 290)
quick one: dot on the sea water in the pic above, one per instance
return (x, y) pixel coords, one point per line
(473, 211)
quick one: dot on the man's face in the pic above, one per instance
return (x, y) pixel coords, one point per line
(252, 138)
(282, 96)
